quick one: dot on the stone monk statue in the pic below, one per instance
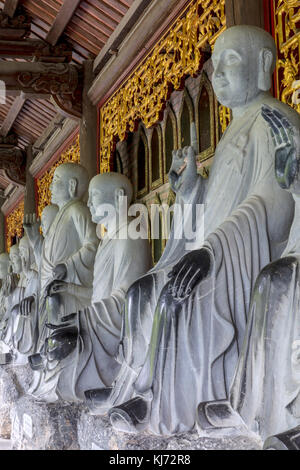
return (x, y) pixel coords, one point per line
(116, 267)
(8, 285)
(68, 254)
(197, 301)
(265, 394)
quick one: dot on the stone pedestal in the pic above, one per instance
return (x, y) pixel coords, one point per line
(96, 433)
(44, 426)
(14, 382)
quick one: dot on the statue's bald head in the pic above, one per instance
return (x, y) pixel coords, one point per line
(244, 59)
(70, 180)
(107, 188)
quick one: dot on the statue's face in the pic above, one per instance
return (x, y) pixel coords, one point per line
(235, 77)
(97, 197)
(59, 187)
(16, 261)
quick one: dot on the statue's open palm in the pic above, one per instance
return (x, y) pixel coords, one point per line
(287, 149)
(31, 226)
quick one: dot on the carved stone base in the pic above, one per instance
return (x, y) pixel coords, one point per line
(44, 426)
(95, 433)
(14, 382)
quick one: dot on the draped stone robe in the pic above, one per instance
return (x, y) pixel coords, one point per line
(71, 240)
(195, 344)
(25, 331)
(266, 388)
(94, 363)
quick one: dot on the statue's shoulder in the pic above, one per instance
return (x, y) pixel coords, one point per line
(79, 208)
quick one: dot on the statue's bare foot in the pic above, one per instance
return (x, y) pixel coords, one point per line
(132, 416)
(289, 440)
(218, 415)
(99, 400)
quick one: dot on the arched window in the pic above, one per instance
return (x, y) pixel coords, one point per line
(156, 158)
(169, 143)
(118, 165)
(142, 165)
(185, 126)
(204, 109)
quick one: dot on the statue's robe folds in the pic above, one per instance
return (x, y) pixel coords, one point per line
(118, 263)
(195, 344)
(13, 299)
(25, 331)
(71, 241)
(266, 387)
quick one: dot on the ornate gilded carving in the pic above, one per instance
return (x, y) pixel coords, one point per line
(72, 154)
(14, 224)
(225, 117)
(13, 161)
(287, 36)
(177, 55)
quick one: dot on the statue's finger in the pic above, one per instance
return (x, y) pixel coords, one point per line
(184, 283)
(273, 126)
(194, 280)
(277, 119)
(178, 280)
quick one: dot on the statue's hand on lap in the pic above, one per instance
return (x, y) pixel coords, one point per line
(183, 172)
(190, 270)
(26, 306)
(286, 139)
(31, 226)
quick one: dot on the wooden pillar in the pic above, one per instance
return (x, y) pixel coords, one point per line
(249, 12)
(2, 228)
(29, 197)
(88, 125)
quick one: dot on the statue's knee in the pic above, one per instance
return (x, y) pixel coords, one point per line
(277, 273)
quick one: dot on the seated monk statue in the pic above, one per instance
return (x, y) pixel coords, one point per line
(25, 331)
(8, 285)
(195, 302)
(116, 267)
(265, 394)
(68, 254)
(32, 227)
(19, 281)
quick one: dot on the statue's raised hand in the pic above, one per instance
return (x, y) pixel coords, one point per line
(190, 270)
(31, 226)
(58, 287)
(183, 172)
(287, 149)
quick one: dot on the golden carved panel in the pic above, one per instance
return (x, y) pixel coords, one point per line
(14, 224)
(72, 154)
(287, 37)
(177, 55)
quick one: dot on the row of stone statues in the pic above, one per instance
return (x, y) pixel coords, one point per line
(208, 337)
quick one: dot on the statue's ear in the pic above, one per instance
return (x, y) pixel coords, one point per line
(265, 69)
(73, 184)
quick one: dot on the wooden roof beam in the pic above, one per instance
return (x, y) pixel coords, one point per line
(10, 7)
(62, 20)
(12, 115)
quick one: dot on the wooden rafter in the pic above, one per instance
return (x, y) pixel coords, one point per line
(10, 7)
(61, 21)
(12, 115)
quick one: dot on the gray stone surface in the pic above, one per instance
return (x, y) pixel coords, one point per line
(14, 382)
(44, 426)
(95, 432)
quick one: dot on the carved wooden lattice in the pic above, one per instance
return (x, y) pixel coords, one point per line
(287, 37)
(177, 55)
(72, 154)
(14, 224)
